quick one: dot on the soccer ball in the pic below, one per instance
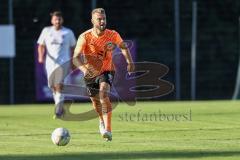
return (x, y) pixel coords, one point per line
(60, 136)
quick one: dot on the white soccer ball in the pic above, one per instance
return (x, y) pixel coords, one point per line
(60, 136)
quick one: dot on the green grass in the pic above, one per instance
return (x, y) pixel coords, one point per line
(212, 131)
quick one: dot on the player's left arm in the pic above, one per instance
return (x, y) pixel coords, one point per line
(72, 45)
(72, 42)
(125, 51)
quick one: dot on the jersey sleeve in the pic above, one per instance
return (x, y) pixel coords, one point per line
(80, 46)
(42, 37)
(117, 39)
(72, 39)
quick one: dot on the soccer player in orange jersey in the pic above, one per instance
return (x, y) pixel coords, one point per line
(93, 56)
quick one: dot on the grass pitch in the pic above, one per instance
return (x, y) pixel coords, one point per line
(149, 130)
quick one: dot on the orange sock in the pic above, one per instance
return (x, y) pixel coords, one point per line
(108, 118)
(107, 113)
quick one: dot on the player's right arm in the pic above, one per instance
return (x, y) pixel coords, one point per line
(41, 45)
(41, 52)
(77, 60)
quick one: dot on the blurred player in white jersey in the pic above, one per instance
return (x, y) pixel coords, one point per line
(58, 43)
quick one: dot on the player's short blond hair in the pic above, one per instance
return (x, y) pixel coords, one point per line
(98, 10)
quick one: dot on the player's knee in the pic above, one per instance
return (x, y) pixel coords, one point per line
(103, 95)
(96, 102)
(58, 87)
(104, 89)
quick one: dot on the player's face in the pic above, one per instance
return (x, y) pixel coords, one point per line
(57, 22)
(99, 21)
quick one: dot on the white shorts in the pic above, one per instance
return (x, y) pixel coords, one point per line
(56, 72)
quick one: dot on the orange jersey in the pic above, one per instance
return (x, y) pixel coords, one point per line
(98, 49)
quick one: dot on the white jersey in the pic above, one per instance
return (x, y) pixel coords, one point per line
(58, 43)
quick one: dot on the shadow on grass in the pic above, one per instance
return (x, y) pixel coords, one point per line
(125, 155)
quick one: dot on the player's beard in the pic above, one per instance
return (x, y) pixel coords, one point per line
(102, 27)
(58, 26)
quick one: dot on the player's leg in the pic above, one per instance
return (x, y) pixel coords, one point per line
(107, 109)
(93, 92)
(59, 100)
(98, 108)
(50, 68)
(106, 104)
(57, 79)
(105, 82)
(55, 76)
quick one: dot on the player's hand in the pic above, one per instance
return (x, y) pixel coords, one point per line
(40, 60)
(90, 72)
(130, 67)
(84, 70)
